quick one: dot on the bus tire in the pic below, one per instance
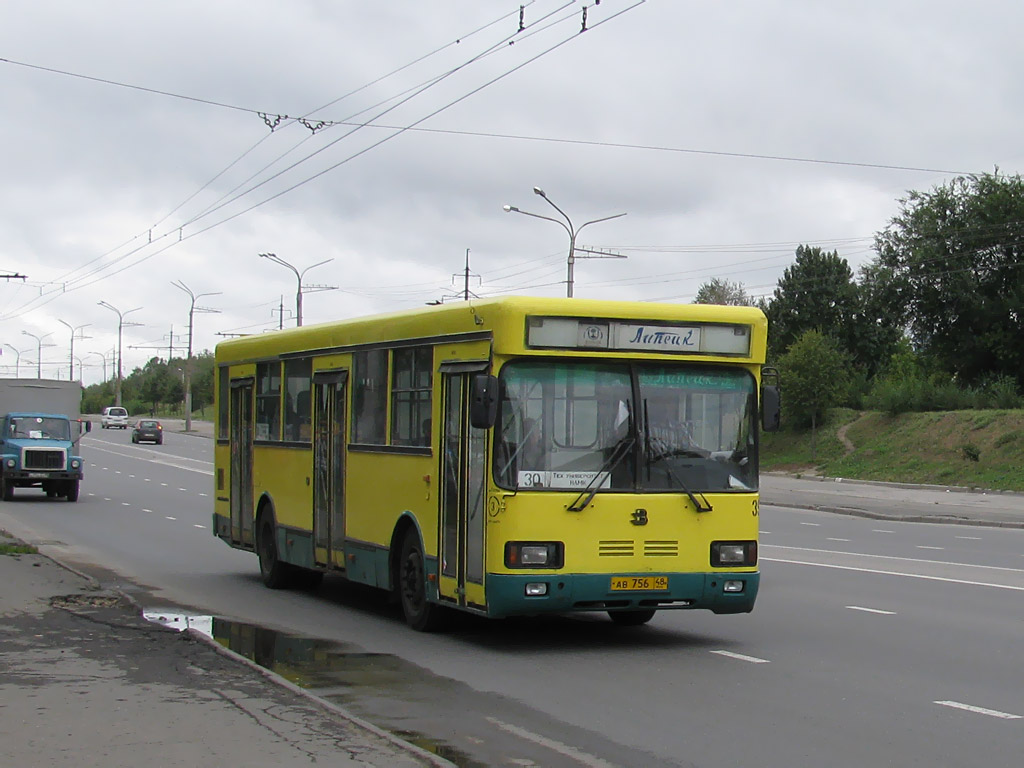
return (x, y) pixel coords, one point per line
(275, 573)
(420, 614)
(631, 618)
(71, 490)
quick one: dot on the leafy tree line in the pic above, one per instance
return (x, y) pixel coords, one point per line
(158, 387)
(934, 322)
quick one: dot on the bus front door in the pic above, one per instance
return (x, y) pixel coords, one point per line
(241, 462)
(329, 468)
(462, 497)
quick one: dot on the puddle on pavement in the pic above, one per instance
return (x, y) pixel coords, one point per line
(368, 684)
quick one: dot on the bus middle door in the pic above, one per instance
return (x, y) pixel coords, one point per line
(329, 467)
(462, 496)
(241, 425)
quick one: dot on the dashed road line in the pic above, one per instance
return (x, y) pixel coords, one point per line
(922, 546)
(970, 538)
(979, 710)
(741, 657)
(584, 758)
(830, 538)
(871, 610)
(813, 525)
(881, 530)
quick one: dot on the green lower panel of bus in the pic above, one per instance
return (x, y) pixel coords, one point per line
(512, 595)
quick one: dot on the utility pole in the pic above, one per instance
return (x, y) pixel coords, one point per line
(120, 330)
(188, 361)
(301, 288)
(71, 353)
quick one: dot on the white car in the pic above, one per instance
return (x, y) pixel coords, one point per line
(114, 416)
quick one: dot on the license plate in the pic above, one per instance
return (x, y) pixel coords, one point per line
(639, 583)
(38, 475)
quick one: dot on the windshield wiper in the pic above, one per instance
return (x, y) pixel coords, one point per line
(702, 504)
(622, 449)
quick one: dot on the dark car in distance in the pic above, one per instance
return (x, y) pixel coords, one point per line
(148, 431)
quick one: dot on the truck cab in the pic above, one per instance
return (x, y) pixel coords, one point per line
(38, 450)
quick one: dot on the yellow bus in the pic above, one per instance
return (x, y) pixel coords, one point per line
(514, 456)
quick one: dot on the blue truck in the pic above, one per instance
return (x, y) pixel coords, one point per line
(39, 437)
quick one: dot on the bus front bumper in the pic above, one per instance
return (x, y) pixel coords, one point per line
(530, 594)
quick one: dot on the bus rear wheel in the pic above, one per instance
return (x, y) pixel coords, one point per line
(631, 618)
(275, 573)
(420, 614)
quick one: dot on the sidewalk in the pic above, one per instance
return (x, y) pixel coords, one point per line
(895, 501)
(86, 681)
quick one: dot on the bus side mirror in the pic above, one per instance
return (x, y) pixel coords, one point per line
(88, 426)
(771, 400)
(483, 405)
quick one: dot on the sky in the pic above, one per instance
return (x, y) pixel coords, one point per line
(152, 149)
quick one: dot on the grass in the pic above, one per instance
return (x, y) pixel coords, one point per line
(977, 449)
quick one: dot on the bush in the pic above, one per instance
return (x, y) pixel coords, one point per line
(970, 452)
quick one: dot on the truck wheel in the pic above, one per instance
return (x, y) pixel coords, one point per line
(420, 614)
(72, 490)
(276, 574)
(6, 489)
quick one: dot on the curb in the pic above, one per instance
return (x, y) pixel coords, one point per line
(893, 484)
(938, 519)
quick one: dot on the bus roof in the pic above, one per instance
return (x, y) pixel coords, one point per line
(500, 315)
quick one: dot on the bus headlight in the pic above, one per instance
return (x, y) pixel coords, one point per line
(10, 463)
(728, 553)
(75, 463)
(534, 554)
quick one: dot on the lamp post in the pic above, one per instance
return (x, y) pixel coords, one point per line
(39, 351)
(568, 227)
(187, 373)
(104, 359)
(120, 329)
(71, 354)
(298, 276)
(17, 359)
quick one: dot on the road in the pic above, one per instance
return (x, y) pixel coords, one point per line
(873, 642)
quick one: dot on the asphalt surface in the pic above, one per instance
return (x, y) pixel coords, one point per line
(85, 680)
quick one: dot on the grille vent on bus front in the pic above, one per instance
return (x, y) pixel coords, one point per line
(627, 548)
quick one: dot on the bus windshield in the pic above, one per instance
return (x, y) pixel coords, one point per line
(649, 427)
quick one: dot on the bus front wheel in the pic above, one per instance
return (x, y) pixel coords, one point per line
(71, 490)
(420, 614)
(631, 618)
(275, 574)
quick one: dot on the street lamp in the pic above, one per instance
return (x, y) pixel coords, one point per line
(570, 230)
(71, 355)
(104, 358)
(120, 329)
(39, 351)
(298, 276)
(187, 373)
(17, 359)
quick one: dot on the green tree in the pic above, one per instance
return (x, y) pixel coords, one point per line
(719, 291)
(953, 258)
(814, 373)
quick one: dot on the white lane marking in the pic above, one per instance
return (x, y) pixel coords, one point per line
(170, 518)
(922, 546)
(126, 504)
(107, 498)
(899, 573)
(979, 710)
(766, 533)
(970, 538)
(147, 510)
(164, 484)
(871, 610)
(196, 525)
(892, 557)
(202, 494)
(131, 475)
(117, 471)
(592, 761)
(881, 530)
(183, 489)
(742, 657)
(830, 538)
(811, 524)
(148, 480)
